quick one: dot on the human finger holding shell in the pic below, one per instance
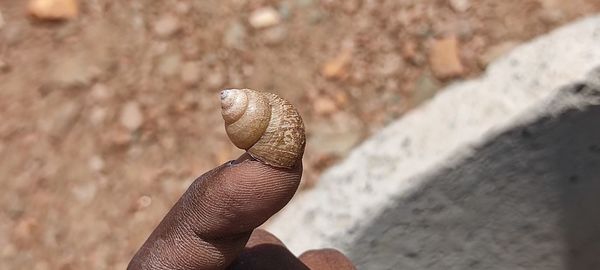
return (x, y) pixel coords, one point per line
(210, 224)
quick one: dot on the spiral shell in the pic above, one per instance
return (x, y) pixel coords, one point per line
(268, 127)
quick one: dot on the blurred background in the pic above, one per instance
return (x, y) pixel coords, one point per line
(109, 109)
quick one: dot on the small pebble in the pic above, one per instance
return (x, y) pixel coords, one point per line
(166, 26)
(85, 192)
(169, 65)
(25, 228)
(460, 5)
(131, 116)
(138, 23)
(264, 17)
(285, 10)
(74, 72)
(411, 53)
(96, 163)
(337, 67)
(119, 137)
(274, 35)
(101, 92)
(143, 202)
(58, 122)
(4, 67)
(98, 116)
(444, 58)
(182, 7)
(324, 106)
(53, 9)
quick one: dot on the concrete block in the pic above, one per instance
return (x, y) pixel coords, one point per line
(500, 172)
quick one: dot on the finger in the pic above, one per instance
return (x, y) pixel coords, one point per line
(210, 224)
(260, 236)
(326, 259)
(265, 251)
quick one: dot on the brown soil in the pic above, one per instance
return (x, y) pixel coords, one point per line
(107, 118)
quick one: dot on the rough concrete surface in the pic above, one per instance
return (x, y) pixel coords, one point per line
(494, 173)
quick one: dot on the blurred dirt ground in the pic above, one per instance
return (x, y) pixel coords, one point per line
(106, 118)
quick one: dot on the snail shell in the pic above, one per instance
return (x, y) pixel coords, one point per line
(268, 127)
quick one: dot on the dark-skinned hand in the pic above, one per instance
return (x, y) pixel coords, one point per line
(213, 225)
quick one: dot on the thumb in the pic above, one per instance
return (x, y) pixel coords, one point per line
(210, 224)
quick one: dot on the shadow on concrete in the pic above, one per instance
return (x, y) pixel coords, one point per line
(527, 199)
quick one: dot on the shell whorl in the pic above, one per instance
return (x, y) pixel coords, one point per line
(268, 127)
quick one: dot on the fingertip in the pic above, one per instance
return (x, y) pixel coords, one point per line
(260, 236)
(325, 259)
(247, 159)
(241, 195)
(212, 221)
